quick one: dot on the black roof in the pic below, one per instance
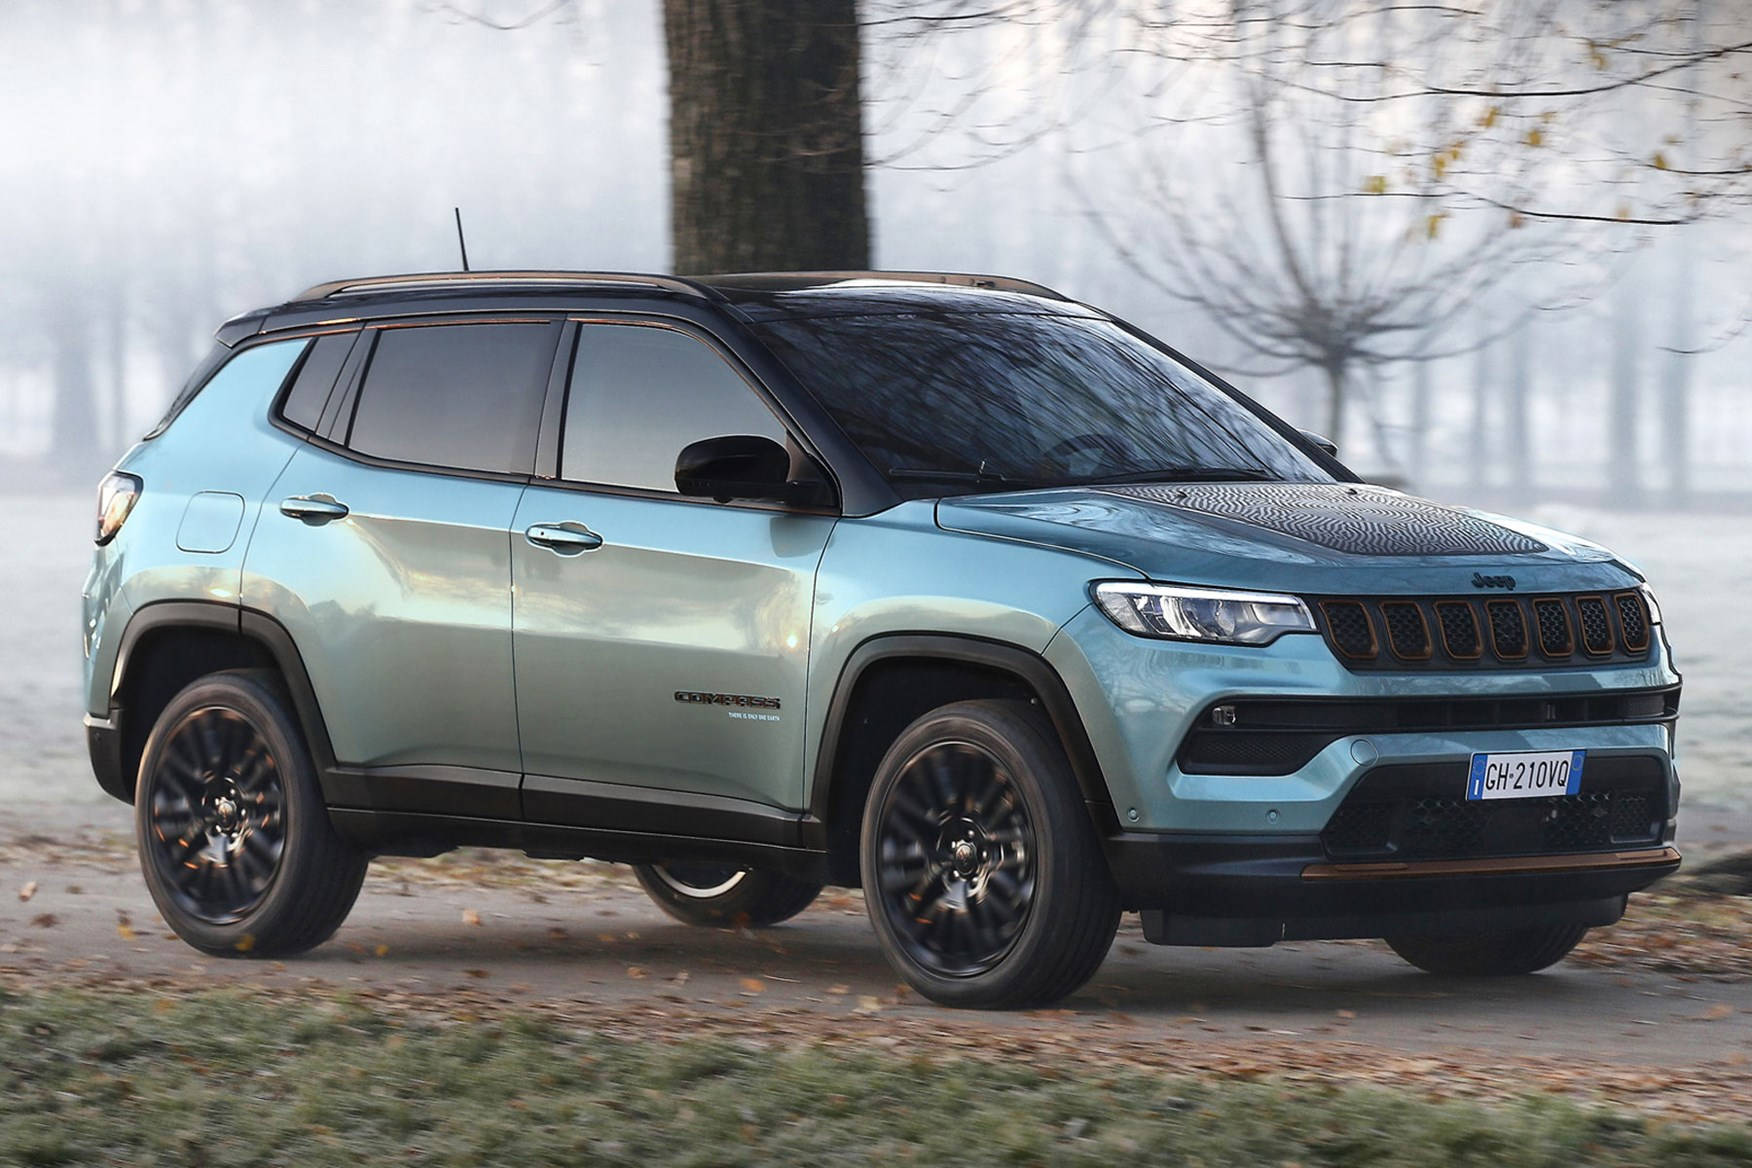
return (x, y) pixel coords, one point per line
(754, 296)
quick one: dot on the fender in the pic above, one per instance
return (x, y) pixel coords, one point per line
(1027, 667)
(251, 625)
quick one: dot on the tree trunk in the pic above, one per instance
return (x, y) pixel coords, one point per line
(1479, 457)
(1623, 484)
(766, 136)
(73, 417)
(1416, 470)
(1516, 427)
(1335, 395)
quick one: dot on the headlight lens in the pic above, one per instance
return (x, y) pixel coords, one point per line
(1202, 614)
(116, 496)
(1648, 595)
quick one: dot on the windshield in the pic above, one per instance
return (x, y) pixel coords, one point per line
(948, 403)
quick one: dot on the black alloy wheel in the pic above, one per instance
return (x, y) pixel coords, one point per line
(235, 842)
(956, 867)
(217, 815)
(982, 872)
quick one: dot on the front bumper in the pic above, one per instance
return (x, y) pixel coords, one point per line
(1243, 859)
(1257, 890)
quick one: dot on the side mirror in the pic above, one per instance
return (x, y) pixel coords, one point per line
(1322, 441)
(744, 466)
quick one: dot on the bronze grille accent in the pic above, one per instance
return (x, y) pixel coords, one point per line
(1596, 626)
(1408, 634)
(1460, 635)
(1349, 628)
(1508, 629)
(1455, 632)
(1555, 637)
(1633, 621)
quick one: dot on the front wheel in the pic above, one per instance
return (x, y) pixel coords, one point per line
(982, 871)
(1505, 954)
(235, 842)
(722, 894)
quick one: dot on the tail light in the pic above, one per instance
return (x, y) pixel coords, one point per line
(116, 497)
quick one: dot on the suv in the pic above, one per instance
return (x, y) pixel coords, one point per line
(948, 587)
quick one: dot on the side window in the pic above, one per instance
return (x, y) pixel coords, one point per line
(639, 394)
(315, 378)
(464, 396)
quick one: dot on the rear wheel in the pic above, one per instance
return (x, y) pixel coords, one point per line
(235, 842)
(1506, 954)
(982, 872)
(722, 894)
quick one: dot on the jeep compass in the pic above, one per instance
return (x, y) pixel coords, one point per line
(946, 587)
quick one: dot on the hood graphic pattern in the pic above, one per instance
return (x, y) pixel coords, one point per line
(1355, 518)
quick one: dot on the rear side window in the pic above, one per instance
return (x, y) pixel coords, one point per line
(639, 394)
(462, 396)
(315, 378)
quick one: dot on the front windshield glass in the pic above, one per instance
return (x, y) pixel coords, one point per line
(947, 403)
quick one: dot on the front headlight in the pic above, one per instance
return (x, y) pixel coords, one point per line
(1215, 615)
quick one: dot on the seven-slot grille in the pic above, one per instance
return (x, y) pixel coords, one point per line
(1404, 632)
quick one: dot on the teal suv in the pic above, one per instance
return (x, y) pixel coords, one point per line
(946, 587)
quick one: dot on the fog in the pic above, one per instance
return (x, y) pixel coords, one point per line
(170, 164)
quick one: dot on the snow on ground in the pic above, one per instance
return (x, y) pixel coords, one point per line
(1700, 566)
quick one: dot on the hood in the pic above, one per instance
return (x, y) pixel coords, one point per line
(1314, 538)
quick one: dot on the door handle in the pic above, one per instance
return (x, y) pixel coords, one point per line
(313, 509)
(566, 539)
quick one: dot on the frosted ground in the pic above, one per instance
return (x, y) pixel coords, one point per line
(1701, 566)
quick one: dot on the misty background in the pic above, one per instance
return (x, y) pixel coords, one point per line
(169, 164)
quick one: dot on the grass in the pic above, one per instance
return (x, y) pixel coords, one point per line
(223, 1078)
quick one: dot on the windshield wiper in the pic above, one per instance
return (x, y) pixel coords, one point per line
(982, 475)
(1184, 474)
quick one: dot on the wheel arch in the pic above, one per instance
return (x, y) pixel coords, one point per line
(889, 681)
(169, 644)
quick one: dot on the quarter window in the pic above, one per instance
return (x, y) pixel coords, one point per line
(639, 394)
(463, 396)
(315, 378)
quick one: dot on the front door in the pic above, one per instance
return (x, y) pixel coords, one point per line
(661, 642)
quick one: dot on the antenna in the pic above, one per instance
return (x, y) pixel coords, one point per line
(460, 244)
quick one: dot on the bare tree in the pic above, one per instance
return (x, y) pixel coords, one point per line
(1330, 247)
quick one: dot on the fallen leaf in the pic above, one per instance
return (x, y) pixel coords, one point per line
(44, 920)
(470, 917)
(382, 950)
(868, 1004)
(245, 943)
(28, 891)
(753, 985)
(1347, 1015)
(478, 972)
(839, 989)
(636, 972)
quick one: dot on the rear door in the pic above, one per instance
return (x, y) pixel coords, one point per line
(661, 642)
(384, 550)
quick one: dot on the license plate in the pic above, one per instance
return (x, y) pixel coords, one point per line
(1528, 774)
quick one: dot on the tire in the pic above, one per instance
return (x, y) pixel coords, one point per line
(982, 872)
(723, 895)
(235, 842)
(1506, 954)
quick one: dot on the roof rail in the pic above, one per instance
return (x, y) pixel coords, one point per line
(960, 279)
(419, 280)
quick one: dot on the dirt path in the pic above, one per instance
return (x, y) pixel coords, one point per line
(485, 928)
